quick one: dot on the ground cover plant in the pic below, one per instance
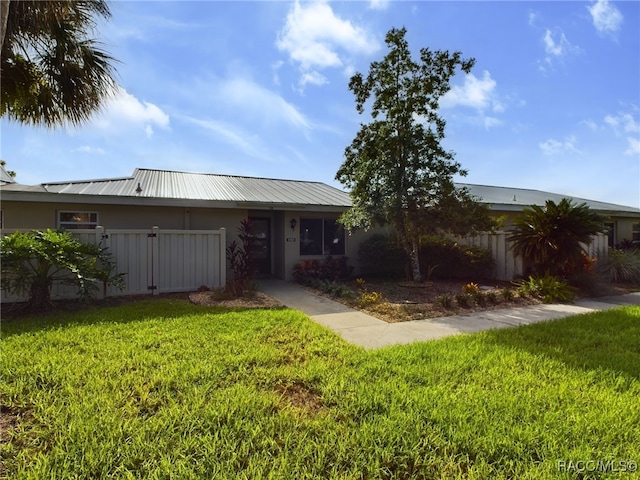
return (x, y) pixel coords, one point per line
(168, 389)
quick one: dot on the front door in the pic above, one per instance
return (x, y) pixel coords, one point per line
(261, 248)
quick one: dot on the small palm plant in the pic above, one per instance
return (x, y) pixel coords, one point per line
(552, 237)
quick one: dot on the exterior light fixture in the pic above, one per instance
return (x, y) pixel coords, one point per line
(293, 223)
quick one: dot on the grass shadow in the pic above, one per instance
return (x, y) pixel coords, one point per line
(118, 312)
(607, 340)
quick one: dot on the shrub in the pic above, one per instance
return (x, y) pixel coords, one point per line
(454, 260)
(369, 298)
(471, 288)
(331, 268)
(508, 294)
(33, 262)
(446, 301)
(492, 297)
(464, 300)
(547, 288)
(381, 256)
(551, 238)
(623, 266)
(240, 260)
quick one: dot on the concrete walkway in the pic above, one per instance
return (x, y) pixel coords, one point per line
(369, 332)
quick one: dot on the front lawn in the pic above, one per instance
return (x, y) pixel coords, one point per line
(167, 389)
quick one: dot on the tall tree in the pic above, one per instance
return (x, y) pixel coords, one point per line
(396, 168)
(51, 71)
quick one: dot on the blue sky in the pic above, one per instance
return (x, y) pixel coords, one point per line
(260, 89)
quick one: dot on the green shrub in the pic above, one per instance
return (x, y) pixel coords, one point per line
(381, 256)
(454, 260)
(330, 268)
(464, 300)
(33, 262)
(623, 266)
(242, 265)
(547, 288)
(446, 301)
(508, 294)
(369, 298)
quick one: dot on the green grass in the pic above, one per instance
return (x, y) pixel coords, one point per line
(166, 389)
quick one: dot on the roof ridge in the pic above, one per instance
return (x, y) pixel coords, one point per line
(230, 175)
(94, 180)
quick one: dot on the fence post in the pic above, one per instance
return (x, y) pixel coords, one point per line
(153, 261)
(223, 257)
(98, 241)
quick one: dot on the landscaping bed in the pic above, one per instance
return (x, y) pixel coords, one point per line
(400, 301)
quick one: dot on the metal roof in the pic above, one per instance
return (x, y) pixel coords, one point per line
(200, 186)
(255, 192)
(506, 198)
(5, 178)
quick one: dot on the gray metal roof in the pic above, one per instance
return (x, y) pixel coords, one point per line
(254, 192)
(200, 186)
(5, 178)
(515, 199)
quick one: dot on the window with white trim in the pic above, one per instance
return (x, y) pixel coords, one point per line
(635, 233)
(321, 236)
(76, 220)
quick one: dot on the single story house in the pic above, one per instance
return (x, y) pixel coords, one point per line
(293, 220)
(623, 222)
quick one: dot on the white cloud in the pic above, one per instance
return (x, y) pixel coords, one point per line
(474, 92)
(553, 147)
(634, 146)
(313, 78)
(622, 123)
(626, 124)
(90, 150)
(315, 38)
(556, 47)
(258, 102)
(606, 18)
(590, 124)
(379, 4)
(125, 109)
(477, 93)
(231, 135)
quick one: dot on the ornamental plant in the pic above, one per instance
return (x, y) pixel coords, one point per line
(33, 262)
(239, 257)
(552, 238)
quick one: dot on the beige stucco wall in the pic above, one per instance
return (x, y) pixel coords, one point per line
(285, 250)
(35, 215)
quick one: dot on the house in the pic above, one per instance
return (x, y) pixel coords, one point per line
(623, 222)
(292, 220)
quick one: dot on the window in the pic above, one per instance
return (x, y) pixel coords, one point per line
(321, 236)
(76, 220)
(611, 233)
(635, 233)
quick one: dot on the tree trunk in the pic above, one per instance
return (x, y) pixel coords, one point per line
(4, 17)
(411, 248)
(39, 297)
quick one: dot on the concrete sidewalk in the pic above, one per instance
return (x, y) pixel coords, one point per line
(369, 332)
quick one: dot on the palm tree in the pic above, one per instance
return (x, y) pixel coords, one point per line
(552, 237)
(52, 73)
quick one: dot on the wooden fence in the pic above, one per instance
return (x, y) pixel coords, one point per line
(509, 266)
(156, 261)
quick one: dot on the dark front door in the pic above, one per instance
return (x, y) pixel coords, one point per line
(261, 248)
